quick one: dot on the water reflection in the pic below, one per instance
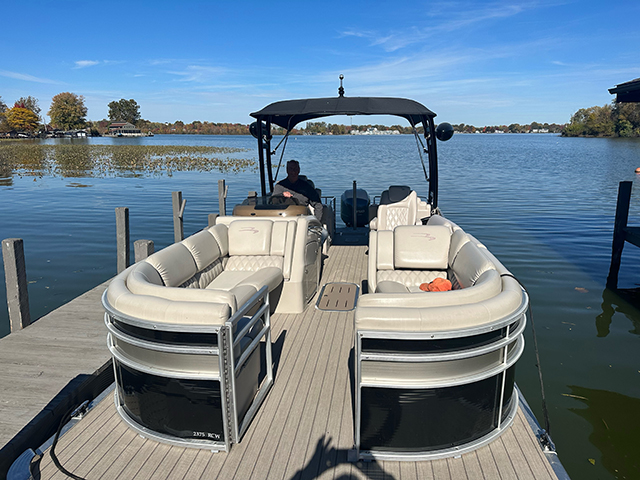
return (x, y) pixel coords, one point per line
(615, 419)
(625, 301)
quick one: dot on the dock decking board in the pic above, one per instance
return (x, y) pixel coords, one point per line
(303, 430)
(42, 359)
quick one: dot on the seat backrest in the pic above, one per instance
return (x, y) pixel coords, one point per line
(408, 248)
(421, 247)
(174, 264)
(469, 265)
(257, 243)
(395, 193)
(398, 213)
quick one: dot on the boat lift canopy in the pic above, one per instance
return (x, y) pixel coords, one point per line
(627, 92)
(289, 113)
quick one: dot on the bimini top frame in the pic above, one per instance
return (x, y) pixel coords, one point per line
(287, 114)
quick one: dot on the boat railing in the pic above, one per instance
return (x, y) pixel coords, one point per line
(214, 369)
(239, 329)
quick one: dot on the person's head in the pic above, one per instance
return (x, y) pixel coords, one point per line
(293, 170)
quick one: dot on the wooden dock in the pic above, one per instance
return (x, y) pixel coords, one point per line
(303, 430)
(47, 367)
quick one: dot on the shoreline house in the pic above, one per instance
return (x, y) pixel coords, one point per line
(124, 129)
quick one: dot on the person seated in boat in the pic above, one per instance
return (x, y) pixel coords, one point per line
(295, 187)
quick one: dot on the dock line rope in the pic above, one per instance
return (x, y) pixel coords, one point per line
(71, 413)
(545, 438)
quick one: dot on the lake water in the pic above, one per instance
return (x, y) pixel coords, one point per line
(543, 204)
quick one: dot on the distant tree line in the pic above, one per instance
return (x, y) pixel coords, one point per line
(615, 120)
(533, 127)
(67, 112)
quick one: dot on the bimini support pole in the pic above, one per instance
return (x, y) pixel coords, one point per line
(430, 137)
(269, 169)
(261, 158)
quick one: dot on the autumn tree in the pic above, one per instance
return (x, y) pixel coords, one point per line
(30, 103)
(67, 111)
(124, 111)
(21, 119)
(4, 126)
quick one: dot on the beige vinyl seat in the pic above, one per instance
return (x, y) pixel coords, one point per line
(402, 259)
(200, 310)
(428, 357)
(220, 268)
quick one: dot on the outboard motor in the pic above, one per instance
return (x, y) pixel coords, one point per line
(362, 208)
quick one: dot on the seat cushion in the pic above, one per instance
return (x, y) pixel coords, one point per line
(409, 278)
(228, 280)
(204, 249)
(470, 264)
(250, 237)
(175, 264)
(389, 286)
(244, 284)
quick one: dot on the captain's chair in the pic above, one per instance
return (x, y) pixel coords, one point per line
(391, 215)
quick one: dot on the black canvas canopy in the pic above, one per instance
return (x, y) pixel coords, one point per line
(627, 92)
(287, 114)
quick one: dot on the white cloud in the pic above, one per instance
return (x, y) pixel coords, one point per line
(455, 19)
(86, 63)
(199, 74)
(26, 77)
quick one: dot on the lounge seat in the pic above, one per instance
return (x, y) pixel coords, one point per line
(224, 265)
(198, 310)
(430, 359)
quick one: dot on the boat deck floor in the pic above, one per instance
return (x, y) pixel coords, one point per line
(304, 429)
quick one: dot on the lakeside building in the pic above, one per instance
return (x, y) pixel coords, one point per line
(124, 129)
(374, 131)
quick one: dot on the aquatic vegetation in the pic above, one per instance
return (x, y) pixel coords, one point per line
(116, 160)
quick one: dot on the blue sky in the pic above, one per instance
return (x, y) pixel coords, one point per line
(471, 62)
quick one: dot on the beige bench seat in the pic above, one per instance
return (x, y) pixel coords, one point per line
(208, 276)
(402, 259)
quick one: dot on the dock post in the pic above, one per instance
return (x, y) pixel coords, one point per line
(178, 212)
(142, 249)
(15, 274)
(212, 219)
(222, 197)
(619, 234)
(122, 238)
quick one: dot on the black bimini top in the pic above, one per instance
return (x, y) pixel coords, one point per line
(287, 114)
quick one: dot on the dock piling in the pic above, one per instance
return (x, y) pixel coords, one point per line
(619, 232)
(122, 238)
(178, 213)
(142, 249)
(15, 273)
(222, 197)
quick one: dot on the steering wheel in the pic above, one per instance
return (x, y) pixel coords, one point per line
(282, 200)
